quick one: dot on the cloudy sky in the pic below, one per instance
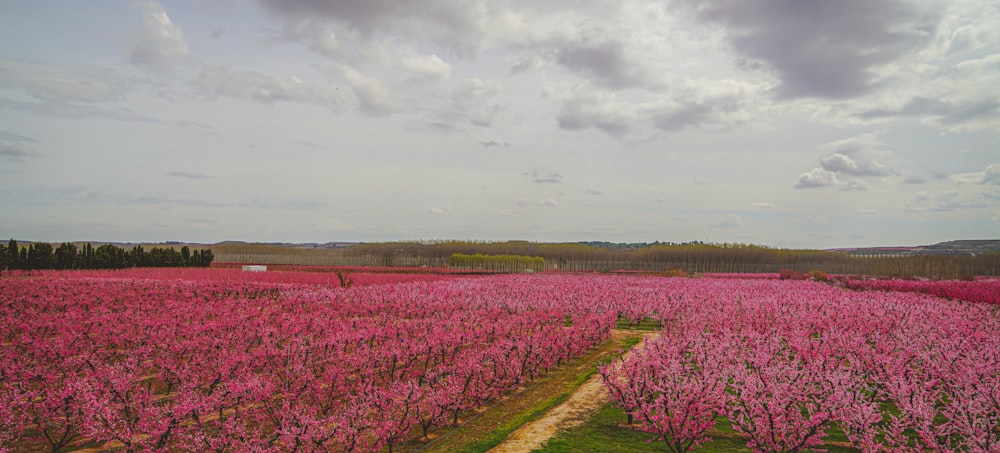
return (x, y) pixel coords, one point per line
(788, 123)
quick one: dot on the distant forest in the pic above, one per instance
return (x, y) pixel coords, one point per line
(42, 255)
(578, 257)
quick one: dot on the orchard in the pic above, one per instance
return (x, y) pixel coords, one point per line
(219, 360)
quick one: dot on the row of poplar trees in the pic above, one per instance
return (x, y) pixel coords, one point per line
(42, 255)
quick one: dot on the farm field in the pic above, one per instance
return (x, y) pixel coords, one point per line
(221, 360)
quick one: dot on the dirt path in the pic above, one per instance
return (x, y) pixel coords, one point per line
(583, 403)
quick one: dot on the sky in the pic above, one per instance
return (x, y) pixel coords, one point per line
(787, 123)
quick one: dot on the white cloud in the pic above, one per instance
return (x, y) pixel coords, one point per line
(373, 96)
(57, 83)
(990, 175)
(425, 66)
(161, 43)
(855, 156)
(729, 221)
(219, 80)
(763, 205)
(548, 203)
(817, 177)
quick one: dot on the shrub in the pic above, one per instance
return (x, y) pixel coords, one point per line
(819, 276)
(788, 274)
(675, 272)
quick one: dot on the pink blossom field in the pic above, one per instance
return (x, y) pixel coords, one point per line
(220, 360)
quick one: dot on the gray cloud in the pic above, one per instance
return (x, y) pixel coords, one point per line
(64, 110)
(989, 176)
(309, 144)
(454, 22)
(49, 82)
(944, 112)
(547, 178)
(583, 111)
(711, 105)
(939, 202)
(914, 179)
(188, 175)
(10, 136)
(81, 194)
(859, 186)
(161, 43)
(218, 80)
(475, 100)
(823, 49)
(316, 37)
(495, 144)
(435, 127)
(192, 124)
(602, 60)
(590, 191)
(17, 152)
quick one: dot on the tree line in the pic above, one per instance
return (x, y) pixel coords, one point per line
(692, 257)
(42, 255)
(497, 263)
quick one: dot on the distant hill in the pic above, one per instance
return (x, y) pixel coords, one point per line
(958, 247)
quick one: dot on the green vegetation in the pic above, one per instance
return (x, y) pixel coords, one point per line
(497, 263)
(645, 324)
(605, 432)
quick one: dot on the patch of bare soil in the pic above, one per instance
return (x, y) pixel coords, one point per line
(580, 406)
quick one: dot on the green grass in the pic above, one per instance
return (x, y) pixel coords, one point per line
(645, 324)
(498, 435)
(603, 433)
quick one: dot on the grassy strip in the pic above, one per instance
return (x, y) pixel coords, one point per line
(495, 437)
(605, 432)
(495, 425)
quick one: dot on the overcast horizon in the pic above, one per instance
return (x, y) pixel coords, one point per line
(784, 123)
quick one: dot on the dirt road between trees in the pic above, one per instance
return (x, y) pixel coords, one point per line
(580, 406)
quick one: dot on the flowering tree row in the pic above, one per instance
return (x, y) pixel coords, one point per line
(785, 361)
(169, 364)
(985, 291)
(235, 276)
(218, 360)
